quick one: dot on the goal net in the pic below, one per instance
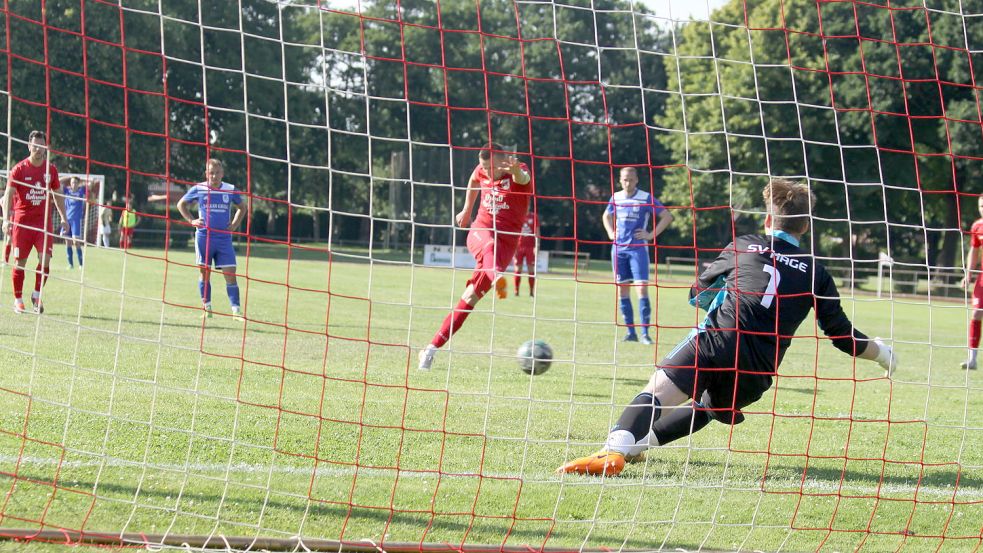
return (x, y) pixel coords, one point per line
(129, 415)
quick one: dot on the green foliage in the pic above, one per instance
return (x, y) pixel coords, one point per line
(325, 110)
(834, 110)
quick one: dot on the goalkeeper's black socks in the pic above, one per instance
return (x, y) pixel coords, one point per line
(640, 415)
(644, 424)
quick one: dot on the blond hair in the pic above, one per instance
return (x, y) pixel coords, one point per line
(789, 204)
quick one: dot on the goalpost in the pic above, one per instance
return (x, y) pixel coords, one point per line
(127, 418)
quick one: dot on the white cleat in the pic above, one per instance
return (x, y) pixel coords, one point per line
(968, 365)
(426, 357)
(19, 306)
(237, 316)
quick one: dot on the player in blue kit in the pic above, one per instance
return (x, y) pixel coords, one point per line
(213, 239)
(627, 219)
(76, 196)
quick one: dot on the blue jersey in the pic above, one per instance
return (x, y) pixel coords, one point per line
(631, 214)
(75, 203)
(214, 207)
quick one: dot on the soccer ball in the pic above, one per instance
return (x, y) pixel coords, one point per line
(535, 357)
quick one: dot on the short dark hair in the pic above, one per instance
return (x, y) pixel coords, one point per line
(487, 151)
(37, 134)
(789, 203)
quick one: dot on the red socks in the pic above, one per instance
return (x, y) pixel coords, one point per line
(974, 333)
(17, 276)
(452, 323)
(532, 285)
(41, 277)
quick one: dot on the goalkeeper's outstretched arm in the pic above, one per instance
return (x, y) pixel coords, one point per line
(845, 337)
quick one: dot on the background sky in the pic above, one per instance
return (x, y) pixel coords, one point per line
(683, 9)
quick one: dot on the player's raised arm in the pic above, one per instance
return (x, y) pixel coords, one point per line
(520, 175)
(463, 218)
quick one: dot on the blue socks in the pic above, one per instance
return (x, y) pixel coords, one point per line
(70, 262)
(78, 253)
(205, 290)
(628, 314)
(645, 308)
(233, 291)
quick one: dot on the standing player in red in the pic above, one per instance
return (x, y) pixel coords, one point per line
(526, 252)
(973, 266)
(30, 193)
(504, 185)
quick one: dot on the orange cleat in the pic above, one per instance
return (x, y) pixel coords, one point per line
(608, 463)
(501, 289)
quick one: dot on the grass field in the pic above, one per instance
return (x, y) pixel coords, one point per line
(121, 412)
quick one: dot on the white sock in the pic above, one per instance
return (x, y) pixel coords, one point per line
(972, 356)
(622, 441)
(35, 295)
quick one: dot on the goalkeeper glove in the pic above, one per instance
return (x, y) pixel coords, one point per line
(705, 299)
(886, 357)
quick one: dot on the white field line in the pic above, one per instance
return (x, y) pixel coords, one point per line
(887, 490)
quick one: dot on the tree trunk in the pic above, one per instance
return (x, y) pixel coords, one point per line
(952, 240)
(316, 219)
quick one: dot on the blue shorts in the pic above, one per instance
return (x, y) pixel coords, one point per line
(75, 229)
(630, 263)
(214, 250)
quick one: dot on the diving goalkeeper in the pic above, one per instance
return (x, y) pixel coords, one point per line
(756, 293)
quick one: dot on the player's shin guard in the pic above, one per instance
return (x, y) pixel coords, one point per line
(633, 432)
(974, 333)
(68, 251)
(41, 277)
(78, 254)
(452, 323)
(628, 314)
(233, 291)
(645, 310)
(680, 422)
(17, 276)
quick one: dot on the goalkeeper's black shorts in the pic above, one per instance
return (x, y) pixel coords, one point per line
(705, 366)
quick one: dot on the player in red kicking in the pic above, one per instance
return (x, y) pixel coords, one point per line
(973, 267)
(526, 252)
(504, 186)
(30, 194)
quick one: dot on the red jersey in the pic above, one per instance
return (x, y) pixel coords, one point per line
(976, 236)
(503, 202)
(31, 192)
(530, 229)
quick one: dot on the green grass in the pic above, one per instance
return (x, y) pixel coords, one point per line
(121, 412)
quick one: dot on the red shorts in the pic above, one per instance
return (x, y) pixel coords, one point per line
(978, 293)
(24, 239)
(492, 251)
(528, 256)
